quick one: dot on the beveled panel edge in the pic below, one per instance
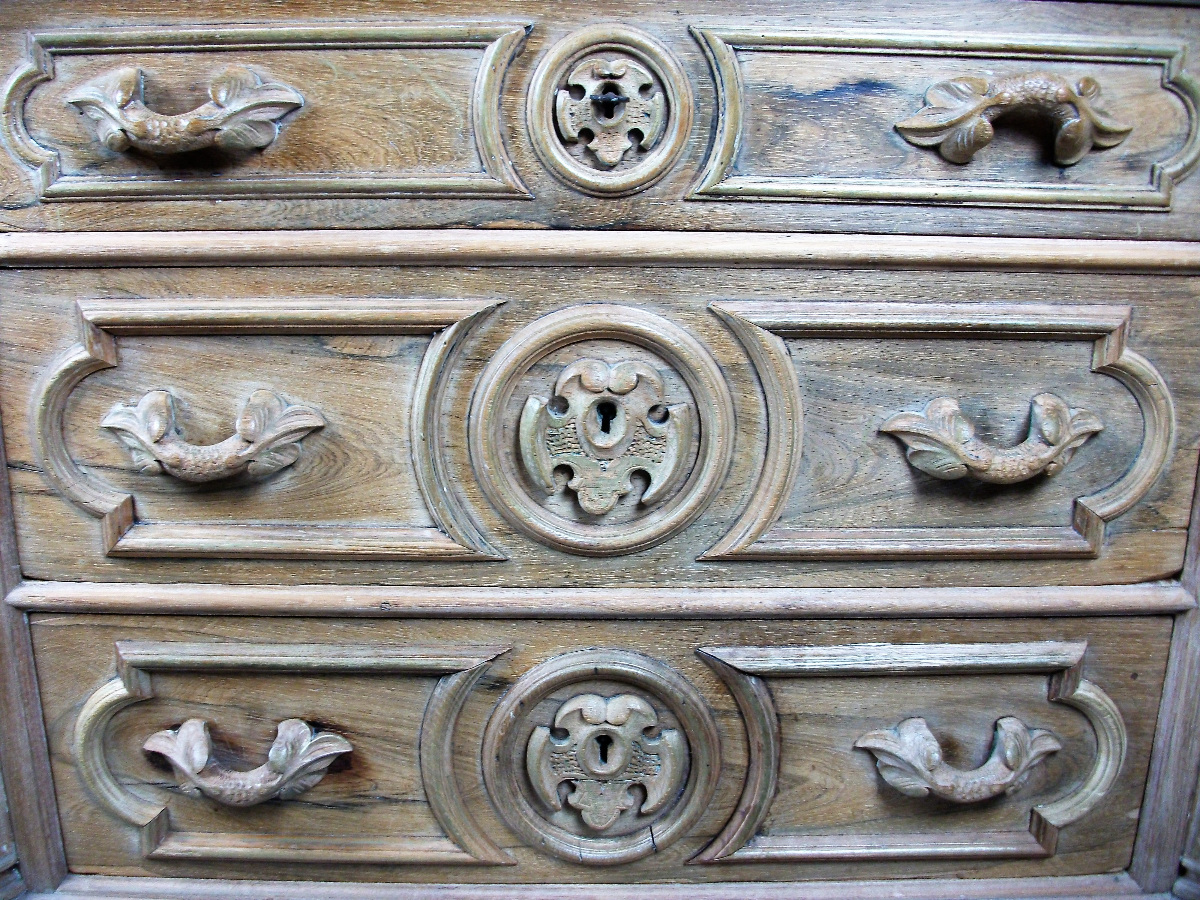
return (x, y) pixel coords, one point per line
(744, 669)
(457, 668)
(455, 536)
(1079, 887)
(530, 247)
(760, 323)
(498, 180)
(376, 601)
(720, 46)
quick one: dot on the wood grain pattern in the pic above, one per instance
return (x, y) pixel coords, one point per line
(41, 144)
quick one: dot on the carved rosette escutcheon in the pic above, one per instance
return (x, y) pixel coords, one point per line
(267, 438)
(910, 759)
(296, 762)
(609, 110)
(242, 113)
(601, 429)
(958, 115)
(941, 441)
(605, 423)
(601, 756)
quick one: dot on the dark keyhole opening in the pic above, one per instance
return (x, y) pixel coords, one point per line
(608, 101)
(607, 411)
(603, 742)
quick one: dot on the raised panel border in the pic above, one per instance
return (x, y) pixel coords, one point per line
(744, 670)
(458, 669)
(720, 46)
(498, 180)
(761, 325)
(456, 536)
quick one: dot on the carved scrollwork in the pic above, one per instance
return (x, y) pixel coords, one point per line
(609, 110)
(296, 762)
(958, 115)
(267, 438)
(910, 759)
(607, 749)
(242, 113)
(601, 756)
(606, 423)
(941, 441)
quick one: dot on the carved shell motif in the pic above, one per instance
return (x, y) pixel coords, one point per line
(909, 758)
(941, 441)
(296, 762)
(605, 423)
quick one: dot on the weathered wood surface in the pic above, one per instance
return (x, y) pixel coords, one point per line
(817, 125)
(825, 786)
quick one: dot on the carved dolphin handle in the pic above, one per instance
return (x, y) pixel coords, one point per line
(242, 113)
(909, 758)
(958, 115)
(941, 441)
(296, 762)
(269, 431)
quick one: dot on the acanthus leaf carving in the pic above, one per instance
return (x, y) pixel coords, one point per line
(941, 441)
(242, 113)
(296, 762)
(266, 439)
(958, 115)
(605, 423)
(607, 750)
(910, 759)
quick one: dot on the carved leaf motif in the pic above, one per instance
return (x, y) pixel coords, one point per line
(941, 442)
(242, 113)
(958, 115)
(267, 438)
(909, 758)
(606, 751)
(619, 102)
(296, 762)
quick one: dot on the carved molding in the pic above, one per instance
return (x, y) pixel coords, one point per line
(722, 45)
(958, 115)
(267, 438)
(524, 766)
(103, 321)
(502, 481)
(296, 762)
(457, 668)
(761, 325)
(911, 760)
(746, 669)
(242, 113)
(498, 179)
(629, 83)
(941, 441)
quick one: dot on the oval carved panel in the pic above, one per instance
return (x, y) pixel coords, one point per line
(601, 429)
(601, 756)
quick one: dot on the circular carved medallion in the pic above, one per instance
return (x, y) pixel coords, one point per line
(601, 756)
(601, 429)
(609, 110)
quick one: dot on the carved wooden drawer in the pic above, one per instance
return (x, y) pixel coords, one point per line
(756, 117)
(411, 751)
(740, 427)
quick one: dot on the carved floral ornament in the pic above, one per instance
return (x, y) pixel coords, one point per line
(609, 110)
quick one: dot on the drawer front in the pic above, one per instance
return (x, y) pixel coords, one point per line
(1074, 122)
(765, 427)
(449, 751)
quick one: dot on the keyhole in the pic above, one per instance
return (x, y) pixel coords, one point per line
(606, 411)
(603, 742)
(608, 101)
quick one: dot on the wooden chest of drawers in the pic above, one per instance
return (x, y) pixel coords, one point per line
(741, 451)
